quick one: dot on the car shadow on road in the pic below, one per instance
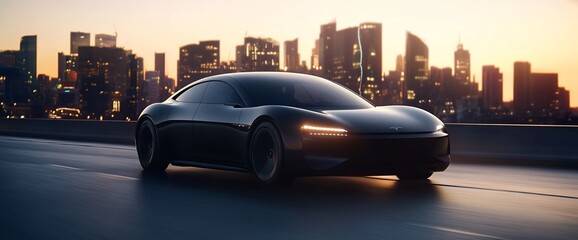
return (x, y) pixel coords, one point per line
(185, 199)
(320, 188)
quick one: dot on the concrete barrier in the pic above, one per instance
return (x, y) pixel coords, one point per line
(480, 143)
(78, 130)
(515, 144)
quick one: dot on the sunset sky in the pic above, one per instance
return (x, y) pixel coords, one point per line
(496, 32)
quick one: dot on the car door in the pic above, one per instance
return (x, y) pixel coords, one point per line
(178, 132)
(215, 128)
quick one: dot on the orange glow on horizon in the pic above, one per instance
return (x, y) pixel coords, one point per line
(495, 32)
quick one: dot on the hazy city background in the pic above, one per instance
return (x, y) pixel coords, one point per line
(463, 61)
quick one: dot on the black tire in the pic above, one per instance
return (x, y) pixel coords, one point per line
(147, 148)
(266, 156)
(415, 175)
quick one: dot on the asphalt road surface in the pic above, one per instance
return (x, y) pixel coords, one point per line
(70, 190)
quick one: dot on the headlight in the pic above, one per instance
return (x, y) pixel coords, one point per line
(323, 131)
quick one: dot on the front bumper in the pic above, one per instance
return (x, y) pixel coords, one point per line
(382, 154)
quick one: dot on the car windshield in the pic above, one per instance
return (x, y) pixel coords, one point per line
(308, 92)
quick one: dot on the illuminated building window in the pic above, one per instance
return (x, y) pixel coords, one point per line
(410, 95)
(116, 106)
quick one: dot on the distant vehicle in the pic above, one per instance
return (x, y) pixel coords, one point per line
(279, 126)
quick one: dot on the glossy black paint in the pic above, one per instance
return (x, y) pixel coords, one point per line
(217, 133)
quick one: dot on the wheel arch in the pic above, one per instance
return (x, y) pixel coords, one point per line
(139, 123)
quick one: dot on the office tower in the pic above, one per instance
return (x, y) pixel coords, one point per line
(292, 55)
(462, 71)
(346, 55)
(522, 74)
(370, 49)
(417, 87)
(543, 88)
(392, 87)
(44, 95)
(492, 87)
(19, 91)
(443, 84)
(105, 40)
(260, 54)
(197, 61)
(102, 73)
(160, 64)
(135, 78)
(315, 56)
(165, 89)
(27, 59)
(9, 57)
(326, 48)
(13, 88)
(151, 87)
(563, 100)
(239, 56)
(67, 67)
(442, 91)
(78, 39)
(399, 63)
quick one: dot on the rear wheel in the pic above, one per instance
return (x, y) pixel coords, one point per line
(147, 148)
(266, 156)
(415, 175)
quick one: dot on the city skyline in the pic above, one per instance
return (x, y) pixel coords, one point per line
(542, 34)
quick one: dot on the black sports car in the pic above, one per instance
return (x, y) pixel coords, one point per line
(282, 125)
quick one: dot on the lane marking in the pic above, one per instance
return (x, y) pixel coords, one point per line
(490, 189)
(102, 145)
(453, 230)
(66, 167)
(101, 174)
(115, 176)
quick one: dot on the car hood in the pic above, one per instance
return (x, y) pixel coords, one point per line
(387, 119)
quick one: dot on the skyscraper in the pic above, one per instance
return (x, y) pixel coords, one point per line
(135, 77)
(165, 87)
(260, 54)
(441, 90)
(492, 87)
(160, 64)
(417, 87)
(197, 61)
(370, 48)
(462, 71)
(151, 87)
(292, 55)
(315, 56)
(105, 40)
(345, 66)
(563, 100)
(543, 88)
(326, 48)
(399, 63)
(522, 75)
(103, 82)
(78, 39)
(27, 59)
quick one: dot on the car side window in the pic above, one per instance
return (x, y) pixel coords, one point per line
(193, 94)
(220, 92)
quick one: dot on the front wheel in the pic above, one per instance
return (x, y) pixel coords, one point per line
(415, 175)
(266, 156)
(147, 148)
